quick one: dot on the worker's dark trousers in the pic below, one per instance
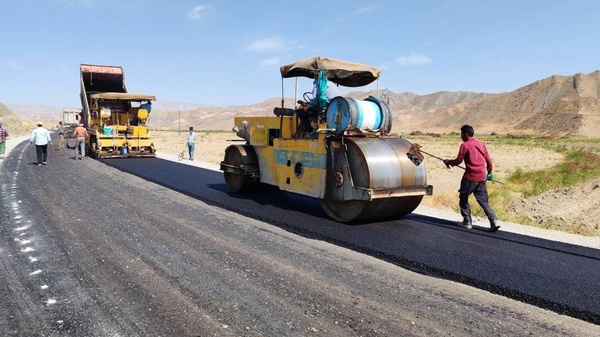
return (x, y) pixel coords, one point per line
(42, 153)
(479, 189)
(303, 116)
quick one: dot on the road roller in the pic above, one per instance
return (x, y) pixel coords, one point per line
(357, 170)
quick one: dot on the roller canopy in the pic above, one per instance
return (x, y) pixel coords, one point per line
(124, 96)
(348, 74)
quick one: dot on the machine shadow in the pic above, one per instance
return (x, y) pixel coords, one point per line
(266, 195)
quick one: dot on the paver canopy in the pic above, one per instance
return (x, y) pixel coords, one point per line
(123, 96)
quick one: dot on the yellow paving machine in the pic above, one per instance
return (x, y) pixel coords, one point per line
(116, 120)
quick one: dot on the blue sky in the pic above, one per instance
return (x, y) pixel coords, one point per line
(226, 52)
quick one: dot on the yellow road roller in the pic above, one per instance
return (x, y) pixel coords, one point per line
(351, 163)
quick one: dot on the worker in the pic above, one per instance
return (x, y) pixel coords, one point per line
(3, 136)
(41, 138)
(478, 170)
(147, 106)
(323, 91)
(191, 142)
(61, 135)
(80, 134)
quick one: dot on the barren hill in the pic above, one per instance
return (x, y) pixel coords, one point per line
(212, 118)
(557, 105)
(405, 106)
(13, 123)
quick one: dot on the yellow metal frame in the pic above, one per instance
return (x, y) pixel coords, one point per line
(293, 164)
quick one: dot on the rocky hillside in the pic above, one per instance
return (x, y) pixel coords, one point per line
(557, 105)
(14, 124)
(405, 106)
(211, 118)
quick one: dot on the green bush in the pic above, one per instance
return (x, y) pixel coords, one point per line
(578, 167)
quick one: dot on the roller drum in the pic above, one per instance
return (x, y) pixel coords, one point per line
(379, 163)
(383, 163)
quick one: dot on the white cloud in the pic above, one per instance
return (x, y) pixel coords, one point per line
(355, 13)
(73, 3)
(273, 61)
(413, 59)
(266, 45)
(194, 14)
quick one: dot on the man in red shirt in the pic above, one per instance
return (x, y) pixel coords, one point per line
(478, 169)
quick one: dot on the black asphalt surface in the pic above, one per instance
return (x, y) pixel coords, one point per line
(560, 277)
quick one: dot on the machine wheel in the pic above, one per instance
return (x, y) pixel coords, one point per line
(238, 156)
(356, 210)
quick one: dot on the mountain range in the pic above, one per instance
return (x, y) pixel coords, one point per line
(554, 106)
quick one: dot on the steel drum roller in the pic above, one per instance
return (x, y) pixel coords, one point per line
(382, 162)
(379, 163)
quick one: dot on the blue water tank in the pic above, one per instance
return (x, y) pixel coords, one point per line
(346, 114)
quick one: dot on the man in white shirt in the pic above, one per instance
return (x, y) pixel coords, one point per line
(41, 138)
(191, 142)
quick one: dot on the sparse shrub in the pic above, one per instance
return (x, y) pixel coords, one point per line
(562, 148)
(578, 166)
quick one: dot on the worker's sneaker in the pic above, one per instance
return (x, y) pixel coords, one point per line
(493, 225)
(44, 163)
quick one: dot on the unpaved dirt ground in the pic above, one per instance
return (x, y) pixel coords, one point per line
(572, 210)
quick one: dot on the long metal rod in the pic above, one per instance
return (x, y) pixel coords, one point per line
(436, 157)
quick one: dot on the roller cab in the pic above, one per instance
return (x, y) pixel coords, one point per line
(353, 166)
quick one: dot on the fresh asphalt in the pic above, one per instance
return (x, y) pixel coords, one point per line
(561, 277)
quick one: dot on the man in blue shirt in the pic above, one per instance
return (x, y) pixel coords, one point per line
(147, 106)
